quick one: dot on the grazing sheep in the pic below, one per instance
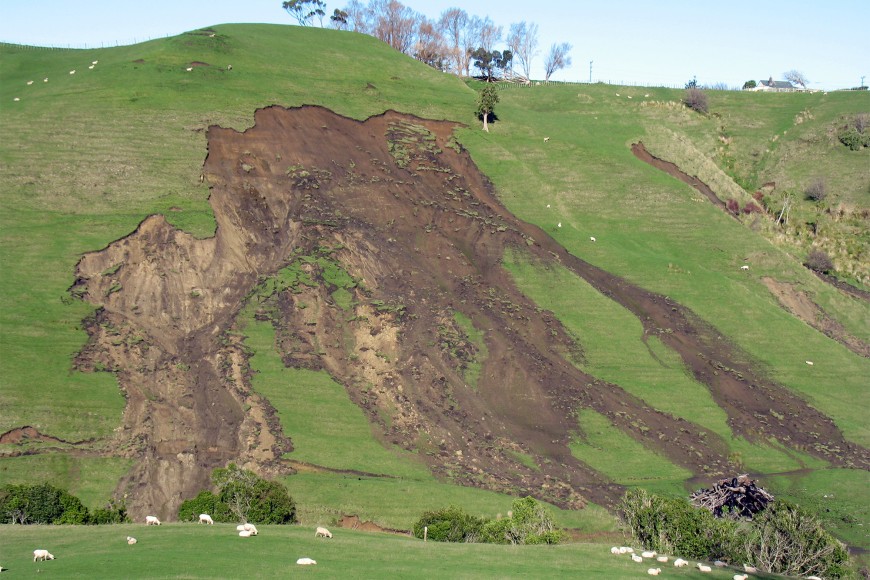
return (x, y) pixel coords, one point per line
(559, 225)
(95, 62)
(592, 239)
(614, 550)
(91, 67)
(131, 540)
(740, 576)
(305, 562)
(636, 558)
(322, 532)
(719, 564)
(750, 569)
(654, 571)
(704, 567)
(29, 83)
(251, 528)
(548, 206)
(617, 94)
(16, 99)
(813, 578)
(662, 559)
(648, 554)
(42, 555)
(152, 521)
(45, 80)
(546, 139)
(626, 550)
(188, 69)
(72, 72)
(809, 362)
(629, 96)
(229, 67)
(680, 563)
(744, 267)
(245, 534)
(646, 96)
(205, 519)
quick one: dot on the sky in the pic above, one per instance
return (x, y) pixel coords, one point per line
(643, 42)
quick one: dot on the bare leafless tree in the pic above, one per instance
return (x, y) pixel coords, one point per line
(470, 41)
(796, 77)
(358, 17)
(430, 47)
(395, 24)
(489, 34)
(557, 59)
(452, 25)
(523, 42)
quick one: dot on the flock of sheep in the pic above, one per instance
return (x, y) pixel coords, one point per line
(680, 563)
(244, 530)
(72, 72)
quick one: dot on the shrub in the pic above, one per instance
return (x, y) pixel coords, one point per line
(819, 261)
(449, 525)
(751, 207)
(242, 496)
(40, 504)
(854, 140)
(749, 85)
(817, 190)
(732, 205)
(696, 99)
(787, 539)
(113, 513)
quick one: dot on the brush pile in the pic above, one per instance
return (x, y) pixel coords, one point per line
(734, 498)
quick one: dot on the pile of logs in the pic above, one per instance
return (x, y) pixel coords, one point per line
(738, 497)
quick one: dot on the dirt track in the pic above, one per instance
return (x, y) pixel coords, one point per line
(405, 212)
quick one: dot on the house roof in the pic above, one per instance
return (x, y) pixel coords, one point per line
(777, 84)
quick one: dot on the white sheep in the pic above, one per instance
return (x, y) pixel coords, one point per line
(809, 362)
(305, 562)
(16, 99)
(719, 564)
(322, 532)
(188, 69)
(245, 534)
(680, 563)
(740, 576)
(95, 62)
(662, 559)
(42, 555)
(546, 139)
(152, 521)
(636, 558)
(654, 571)
(648, 554)
(629, 96)
(29, 83)
(91, 67)
(72, 72)
(592, 239)
(45, 80)
(251, 528)
(744, 267)
(205, 519)
(646, 96)
(559, 225)
(750, 569)
(704, 567)
(131, 540)
(813, 578)
(626, 550)
(614, 550)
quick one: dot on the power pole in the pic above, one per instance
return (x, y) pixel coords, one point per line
(590, 73)
(862, 80)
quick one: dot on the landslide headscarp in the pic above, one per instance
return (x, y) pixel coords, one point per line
(305, 197)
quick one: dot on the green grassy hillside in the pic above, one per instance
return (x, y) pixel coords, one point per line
(86, 156)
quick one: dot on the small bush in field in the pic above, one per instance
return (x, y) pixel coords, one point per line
(758, 196)
(751, 207)
(819, 261)
(696, 99)
(817, 190)
(732, 205)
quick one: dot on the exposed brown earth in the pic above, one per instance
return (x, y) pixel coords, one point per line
(397, 204)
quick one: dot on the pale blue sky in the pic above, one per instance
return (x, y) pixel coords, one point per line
(629, 41)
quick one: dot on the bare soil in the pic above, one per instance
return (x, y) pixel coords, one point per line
(401, 207)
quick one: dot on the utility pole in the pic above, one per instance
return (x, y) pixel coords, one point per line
(862, 81)
(590, 73)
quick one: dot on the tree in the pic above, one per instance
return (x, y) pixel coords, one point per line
(452, 24)
(304, 10)
(486, 102)
(490, 62)
(394, 23)
(796, 77)
(523, 42)
(430, 46)
(249, 497)
(557, 59)
(749, 85)
(338, 20)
